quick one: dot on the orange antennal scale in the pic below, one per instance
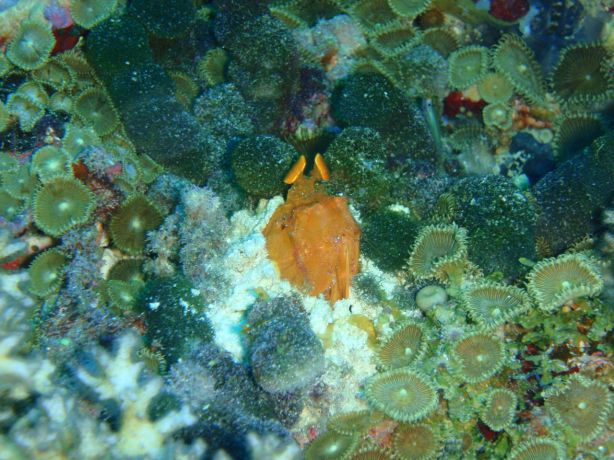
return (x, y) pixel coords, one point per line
(322, 167)
(296, 171)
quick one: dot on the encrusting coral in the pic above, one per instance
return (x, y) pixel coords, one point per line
(31, 46)
(583, 74)
(132, 221)
(581, 406)
(313, 238)
(514, 59)
(174, 313)
(285, 355)
(197, 245)
(47, 272)
(62, 203)
(404, 347)
(436, 247)
(540, 448)
(499, 409)
(165, 18)
(265, 87)
(394, 226)
(357, 161)
(416, 442)
(259, 164)
(225, 111)
(491, 304)
(89, 13)
(500, 222)
(566, 213)
(403, 394)
(478, 357)
(356, 102)
(467, 66)
(556, 281)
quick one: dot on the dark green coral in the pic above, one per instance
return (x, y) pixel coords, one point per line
(357, 160)
(500, 222)
(118, 44)
(259, 164)
(264, 64)
(370, 100)
(385, 236)
(570, 198)
(143, 93)
(164, 18)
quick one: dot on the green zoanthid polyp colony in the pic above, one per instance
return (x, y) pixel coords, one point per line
(143, 149)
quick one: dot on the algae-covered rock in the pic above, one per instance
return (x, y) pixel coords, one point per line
(174, 315)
